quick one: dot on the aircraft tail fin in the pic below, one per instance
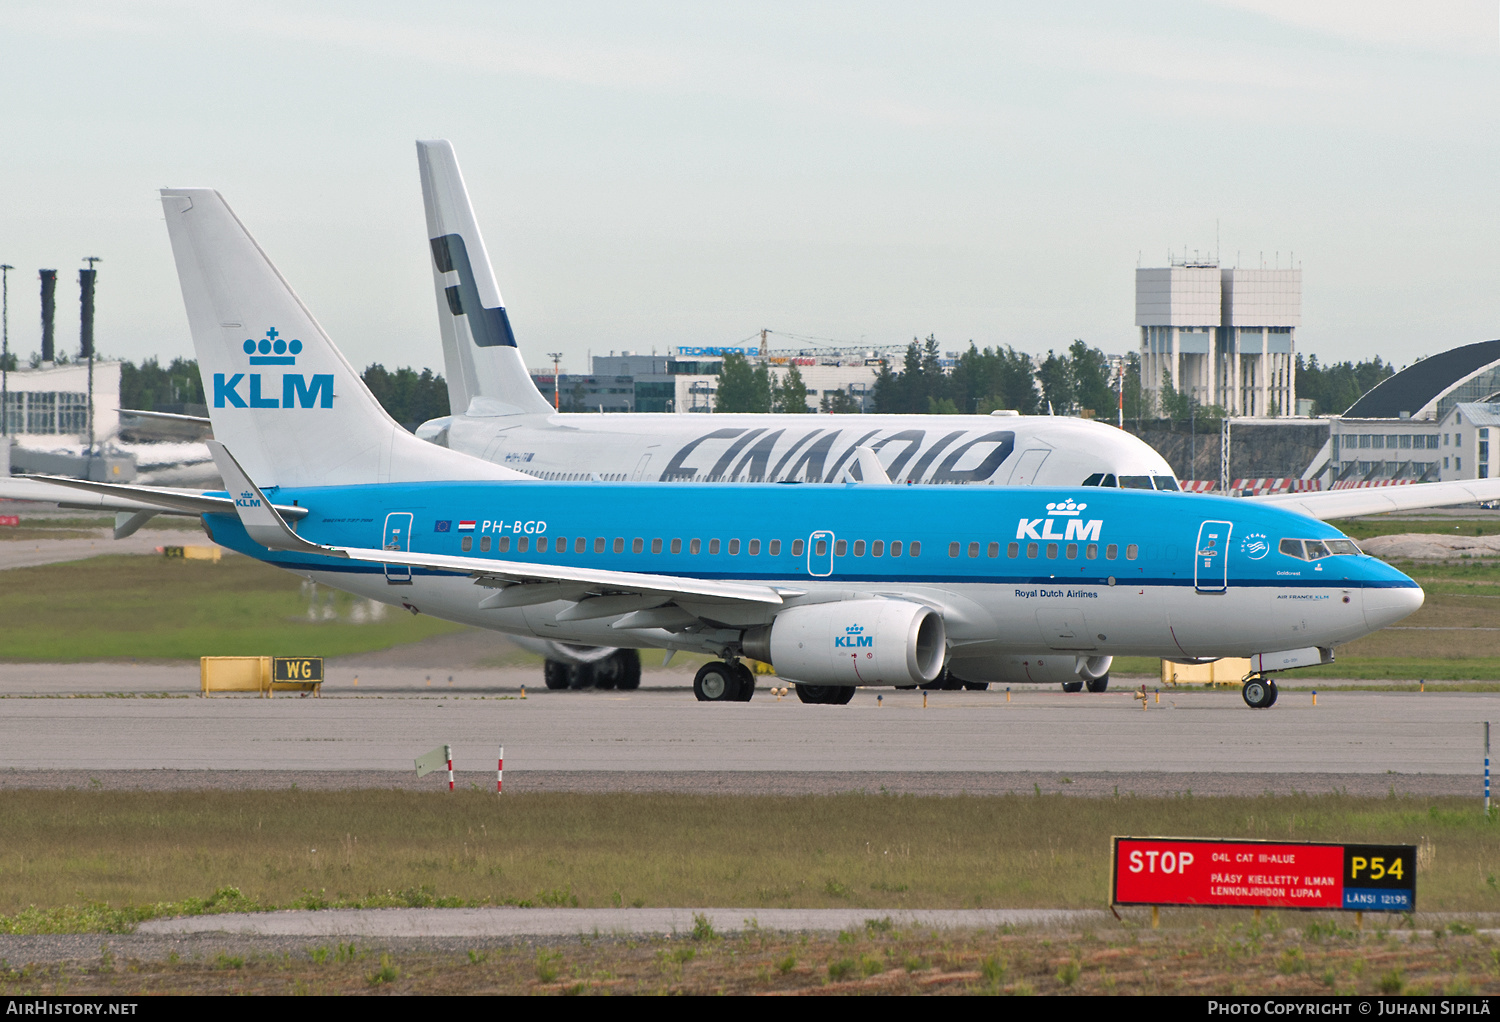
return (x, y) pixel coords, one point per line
(280, 394)
(486, 374)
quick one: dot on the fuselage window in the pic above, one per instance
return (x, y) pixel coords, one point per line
(1112, 551)
(484, 544)
(522, 544)
(1051, 551)
(839, 547)
(619, 545)
(859, 548)
(541, 544)
(994, 550)
(895, 548)
(754, 547)
(1072, 551)
(580, 545)
(656, 546)
(734, 547)
(1013, 550)
(677, 546)
(1031, 549)
(952, 549)
(1132, 551)
(560, 545)
(598, 545)
(695, 546)
(637, 545)
(797, 547)
(504, 544)
(973, 549)
(821, 548)
(466, 544)
(1091, 551)
(915, 550)
(774, 547)
(713, 546)
(877, 548)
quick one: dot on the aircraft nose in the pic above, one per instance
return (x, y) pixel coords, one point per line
(1385, 606)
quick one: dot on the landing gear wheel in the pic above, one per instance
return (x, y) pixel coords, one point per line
(1274, 694)
(717, 682)
(606, 672)
(1072, 686)
(630, 670)
(1098, 684)
(1259, 694)
(555, 674)
(827, 695)
(747, 683)
(580, 676)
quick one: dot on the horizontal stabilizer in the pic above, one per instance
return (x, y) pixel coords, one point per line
(121, 496)
(259, 517)
(1329, 504)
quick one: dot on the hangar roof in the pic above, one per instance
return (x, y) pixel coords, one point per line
(1429, 387)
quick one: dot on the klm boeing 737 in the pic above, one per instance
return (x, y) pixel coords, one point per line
(835, 586)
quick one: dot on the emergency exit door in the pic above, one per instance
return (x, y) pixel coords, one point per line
(397, 537)
(1211, 558)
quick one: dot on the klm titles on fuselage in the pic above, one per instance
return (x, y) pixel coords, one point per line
(1075, 530)
(296, 389)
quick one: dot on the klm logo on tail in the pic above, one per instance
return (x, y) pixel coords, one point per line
(297, 390)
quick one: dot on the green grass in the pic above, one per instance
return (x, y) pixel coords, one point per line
(87, 860)
(1366, 528)
(153, 608)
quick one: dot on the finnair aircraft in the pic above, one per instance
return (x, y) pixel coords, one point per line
(836, 586)
(501, 417)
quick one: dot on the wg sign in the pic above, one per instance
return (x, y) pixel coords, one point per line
(1263, 874)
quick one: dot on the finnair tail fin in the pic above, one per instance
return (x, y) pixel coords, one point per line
(281, 396)
(486, 374)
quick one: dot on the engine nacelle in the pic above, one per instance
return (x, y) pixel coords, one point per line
(854, 642)
(1044, 669)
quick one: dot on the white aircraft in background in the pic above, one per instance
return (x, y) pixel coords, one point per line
(500, 416)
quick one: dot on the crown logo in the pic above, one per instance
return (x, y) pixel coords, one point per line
(272, 350)
(1065, 507)
(854, 630)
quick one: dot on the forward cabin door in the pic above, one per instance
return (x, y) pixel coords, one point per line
(397, 537)
(1211, 559)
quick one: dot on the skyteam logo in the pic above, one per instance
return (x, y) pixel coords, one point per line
(1076, 530)
(296, 390)
(853, 638)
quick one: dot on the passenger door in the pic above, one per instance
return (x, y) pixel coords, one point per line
(820, 554)
(398, 526)
(1211, 557)
(1028, 466)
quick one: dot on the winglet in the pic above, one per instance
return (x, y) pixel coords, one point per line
(261, 520)
(866, 468)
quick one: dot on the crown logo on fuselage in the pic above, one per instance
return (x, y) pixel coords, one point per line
(272, 350)
(1065, 507)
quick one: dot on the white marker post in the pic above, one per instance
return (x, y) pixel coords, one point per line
(500, 771)
(448, 755)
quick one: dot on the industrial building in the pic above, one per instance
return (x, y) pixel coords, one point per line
(1224, 336)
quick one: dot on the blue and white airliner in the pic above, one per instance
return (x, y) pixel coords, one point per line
(835, 586)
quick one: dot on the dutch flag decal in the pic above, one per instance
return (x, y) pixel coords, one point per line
(465, 526)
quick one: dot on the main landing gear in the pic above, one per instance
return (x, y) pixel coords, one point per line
(830, 695)
(620, 670)
(720, 681)
(1259, 692)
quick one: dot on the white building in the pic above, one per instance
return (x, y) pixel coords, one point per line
(1225, 336)
(48, 408)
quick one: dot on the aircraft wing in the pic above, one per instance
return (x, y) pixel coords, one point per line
(1328, 504)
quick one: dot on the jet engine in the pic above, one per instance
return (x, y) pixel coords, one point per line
(853, 642)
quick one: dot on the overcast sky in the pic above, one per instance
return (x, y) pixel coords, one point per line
(648, 175)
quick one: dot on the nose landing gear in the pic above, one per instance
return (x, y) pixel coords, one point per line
(1259, 692)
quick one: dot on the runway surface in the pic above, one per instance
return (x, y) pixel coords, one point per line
(663, 729)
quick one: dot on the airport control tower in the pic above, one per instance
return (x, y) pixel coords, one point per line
(1226, 336)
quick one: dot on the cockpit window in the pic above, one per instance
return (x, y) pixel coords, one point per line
(1094, 480)
(1165, 483)
(1136, 483)
(1317, 549)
